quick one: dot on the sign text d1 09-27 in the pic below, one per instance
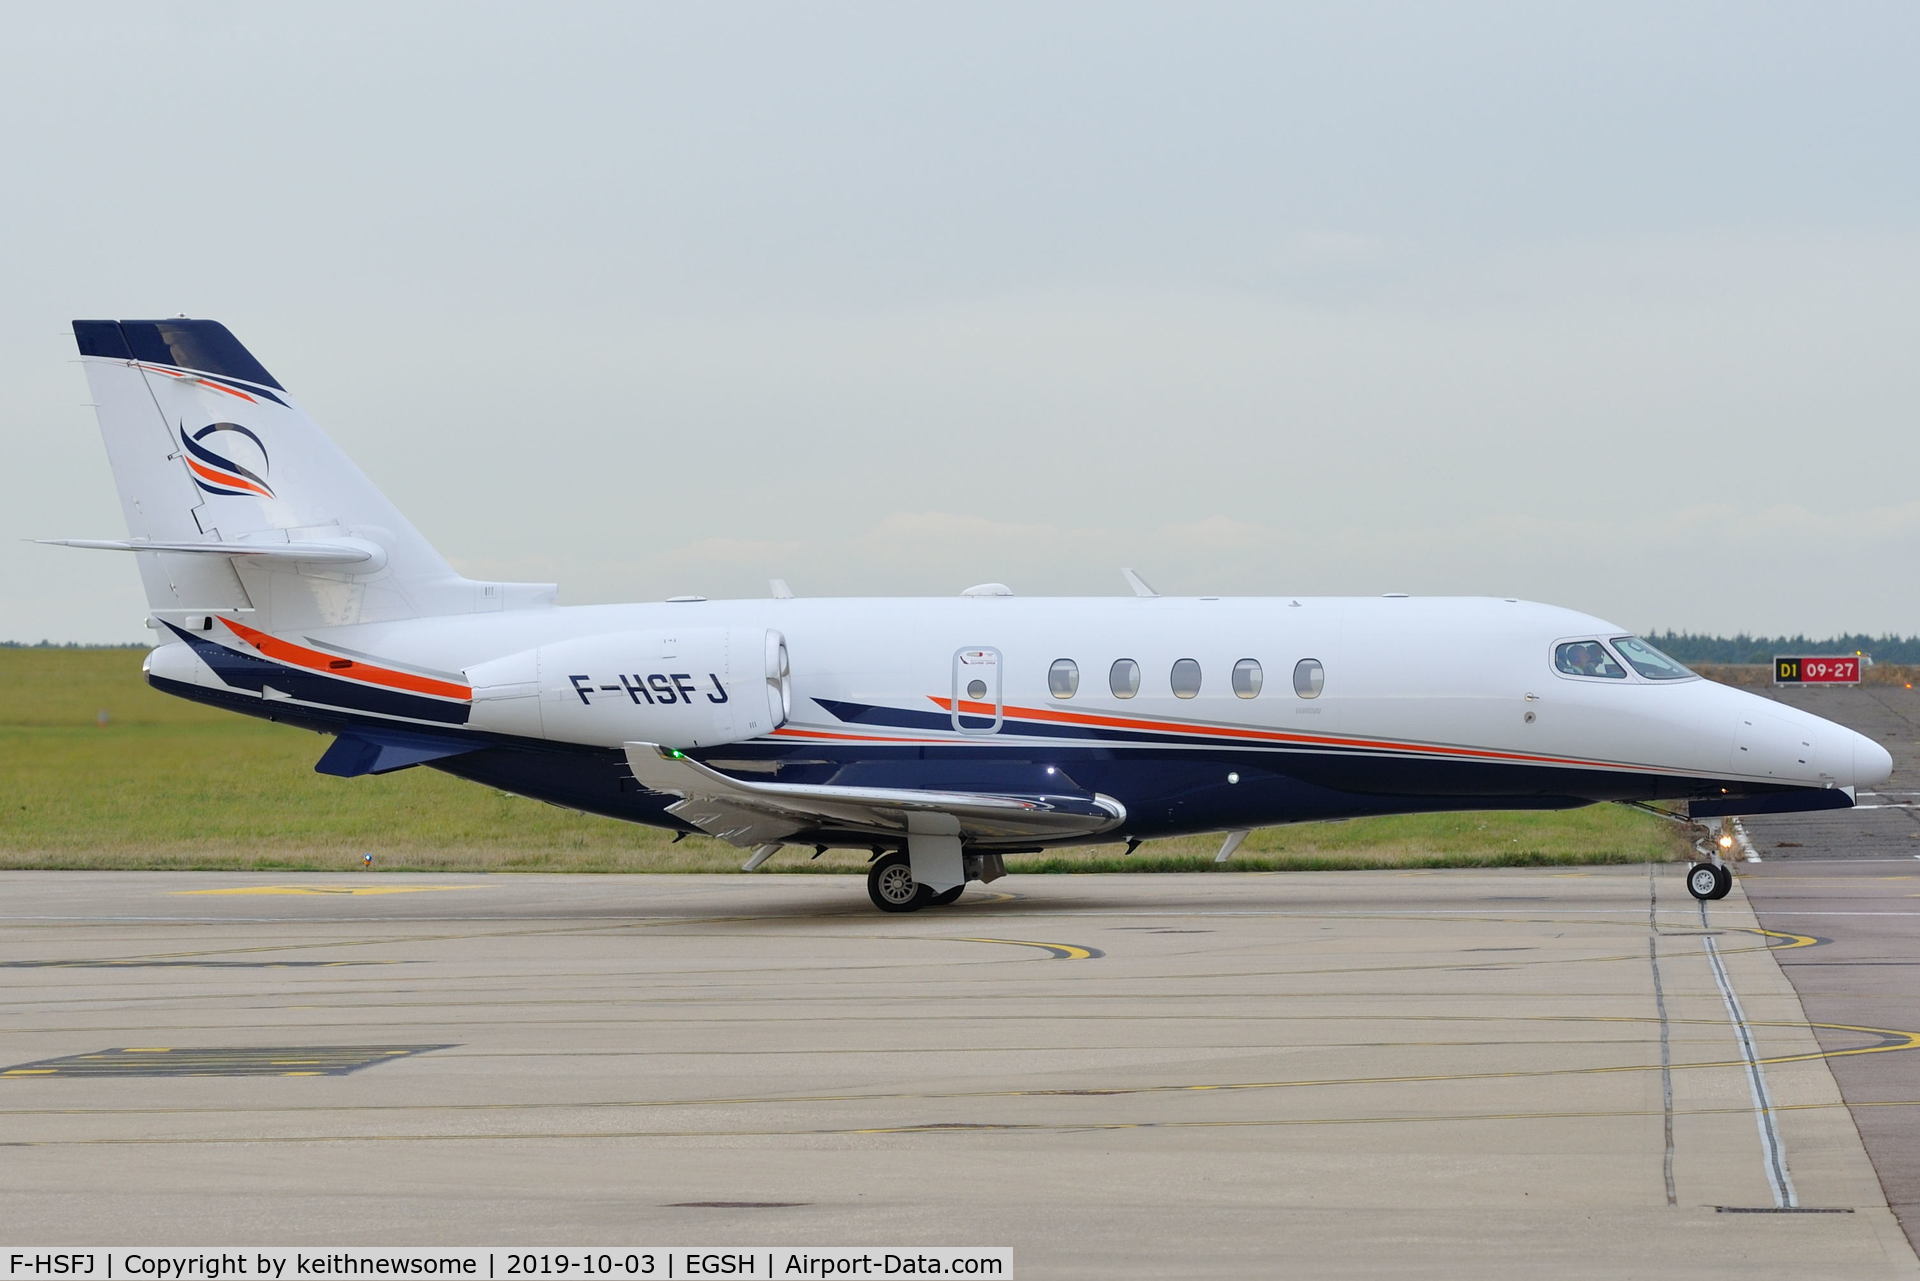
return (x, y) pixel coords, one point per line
(1817, 671)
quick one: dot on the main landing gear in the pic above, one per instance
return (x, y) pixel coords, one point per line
(891, 886)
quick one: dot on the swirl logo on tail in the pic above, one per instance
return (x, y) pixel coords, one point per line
(216, 473)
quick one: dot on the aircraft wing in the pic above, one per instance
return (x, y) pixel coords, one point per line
(748, 813)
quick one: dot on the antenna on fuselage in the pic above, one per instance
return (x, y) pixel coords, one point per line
(1138, 583)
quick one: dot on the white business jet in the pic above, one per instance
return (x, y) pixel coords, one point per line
(941, 734)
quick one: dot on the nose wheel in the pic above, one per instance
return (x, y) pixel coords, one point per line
(1709, 881)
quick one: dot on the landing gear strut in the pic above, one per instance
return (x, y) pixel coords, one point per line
(1712, 879)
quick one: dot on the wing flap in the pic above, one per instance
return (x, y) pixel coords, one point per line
(747, 813)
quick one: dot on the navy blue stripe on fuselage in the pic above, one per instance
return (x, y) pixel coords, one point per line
(252, 672)
(883, 717)
(593, 780)
(1166, 792)
(870, 716)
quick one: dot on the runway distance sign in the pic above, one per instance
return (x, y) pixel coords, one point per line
(1837, 670)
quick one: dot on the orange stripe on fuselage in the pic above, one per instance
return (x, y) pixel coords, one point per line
(319, 661)
(789, 731)
(1259, 735)
(218, 477)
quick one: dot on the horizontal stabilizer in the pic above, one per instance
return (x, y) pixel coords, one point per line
(384, 751)
(749, 813)
(340, 553)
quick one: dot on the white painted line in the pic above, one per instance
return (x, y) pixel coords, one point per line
(1817, 859)
(1740, 834)
(1789, 911)
(1773, 1151)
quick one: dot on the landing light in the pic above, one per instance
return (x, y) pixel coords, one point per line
(1726, 842)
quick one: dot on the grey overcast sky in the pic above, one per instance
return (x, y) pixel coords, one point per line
(1610, 306)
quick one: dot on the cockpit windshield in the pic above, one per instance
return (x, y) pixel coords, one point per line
(1648, 661)
(1586, 658)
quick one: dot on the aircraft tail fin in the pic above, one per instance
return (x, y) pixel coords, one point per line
(236, 503)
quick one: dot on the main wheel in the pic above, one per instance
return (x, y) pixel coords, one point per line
(945, 897)
(891, 886)
(1708, 881)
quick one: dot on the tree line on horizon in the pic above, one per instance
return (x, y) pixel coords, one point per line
(1700, 647)
(47, 644)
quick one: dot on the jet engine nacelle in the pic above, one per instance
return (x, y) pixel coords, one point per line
(680, 687)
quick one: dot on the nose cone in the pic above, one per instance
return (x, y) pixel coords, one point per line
(1872, 763)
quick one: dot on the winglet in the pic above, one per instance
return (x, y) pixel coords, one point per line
(1138, 583)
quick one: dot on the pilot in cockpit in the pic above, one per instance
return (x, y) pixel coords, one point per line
(1586, 658)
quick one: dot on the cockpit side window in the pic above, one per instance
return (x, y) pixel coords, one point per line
(1648, 661)
(1586, 658)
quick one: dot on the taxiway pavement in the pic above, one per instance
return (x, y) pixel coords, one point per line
(1463, 1073)
(1853, 878)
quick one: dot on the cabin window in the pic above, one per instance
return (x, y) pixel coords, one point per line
(1648, 661)
(1587, 658)
(1124, 678)
(1185, 678)
(976, 689)
(1246, 678)
(1063, 678)
(1309, 678)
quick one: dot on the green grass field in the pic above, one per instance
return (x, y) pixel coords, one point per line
(169, 784)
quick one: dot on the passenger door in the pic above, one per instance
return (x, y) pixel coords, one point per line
(977, 708)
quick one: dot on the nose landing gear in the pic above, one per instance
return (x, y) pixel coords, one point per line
(1709, 880)
(1712, 879)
